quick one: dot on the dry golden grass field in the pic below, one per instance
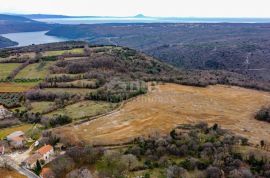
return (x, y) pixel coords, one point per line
(5, 173)
(168, 105)
(10, 87)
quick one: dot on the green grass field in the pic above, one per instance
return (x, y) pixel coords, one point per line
(6, 69)
(61, 52)
(34, 71)
(40, 106)
(84, 109)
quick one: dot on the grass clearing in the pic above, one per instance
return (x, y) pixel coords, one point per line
(6, 69)
(169, 105)
(84, 109)
(5, 132)
(40, 106)
(35, 71)
(61, 52)
(11, 87)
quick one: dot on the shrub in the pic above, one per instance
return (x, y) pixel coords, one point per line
(60, 120)
(263, 114)
(112, 165)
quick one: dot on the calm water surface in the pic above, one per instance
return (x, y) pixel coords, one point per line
(29, 38)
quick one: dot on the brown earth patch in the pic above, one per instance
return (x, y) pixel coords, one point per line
(16, 87)
(5, 173)
(168, 105)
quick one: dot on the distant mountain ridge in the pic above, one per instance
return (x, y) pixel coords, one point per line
(43, 16)
(12, 18)
(13, 24)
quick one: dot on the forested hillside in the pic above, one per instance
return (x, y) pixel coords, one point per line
(242, 48)
(4, 42)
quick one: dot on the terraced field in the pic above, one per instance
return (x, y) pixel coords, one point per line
(35, 71)
(84, 109)
(61, 52)
(6, 69)
(168, 105)
(11, 87)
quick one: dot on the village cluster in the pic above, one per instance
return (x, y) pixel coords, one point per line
(32, 152)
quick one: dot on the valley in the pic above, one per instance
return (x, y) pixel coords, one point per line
(87, 106)
(134, 89)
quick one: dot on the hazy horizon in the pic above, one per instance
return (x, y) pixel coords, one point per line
(151, 8)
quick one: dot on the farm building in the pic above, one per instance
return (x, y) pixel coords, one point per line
(31, 161)
(15, 134)
(16, 139)
(17, 142)
(43, 154)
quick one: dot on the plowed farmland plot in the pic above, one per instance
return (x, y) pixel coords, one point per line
(169, 105)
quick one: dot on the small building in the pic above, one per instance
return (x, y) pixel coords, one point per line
(17, 142)
(44, 155)
(46, 152)
(31, 161)
(16, 139)
(2, 150)
(15, 134)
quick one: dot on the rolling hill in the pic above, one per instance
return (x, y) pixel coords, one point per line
(241, 48)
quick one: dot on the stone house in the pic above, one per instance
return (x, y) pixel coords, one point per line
(46, 152)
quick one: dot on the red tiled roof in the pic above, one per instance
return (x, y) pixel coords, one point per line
(45, 149)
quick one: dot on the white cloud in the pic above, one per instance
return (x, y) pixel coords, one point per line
(184, 8)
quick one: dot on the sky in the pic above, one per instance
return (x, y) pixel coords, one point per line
(159, 8)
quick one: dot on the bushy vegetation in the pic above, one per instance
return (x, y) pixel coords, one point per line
(188, 151)
(118, 91)
(11, 100)
(60, 120)
(39, 95)
(74, 158)
(263, 114)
